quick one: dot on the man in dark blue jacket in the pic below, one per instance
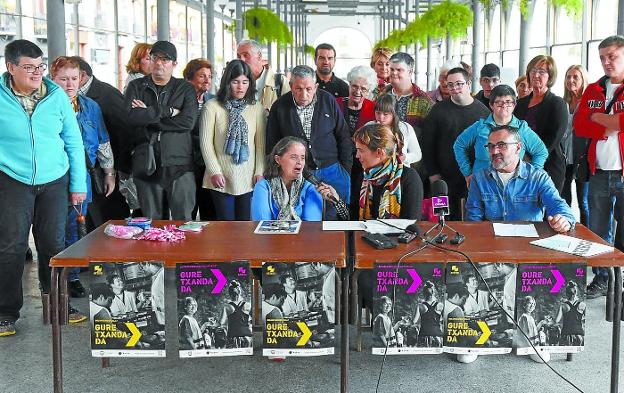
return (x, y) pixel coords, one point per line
(313, 116)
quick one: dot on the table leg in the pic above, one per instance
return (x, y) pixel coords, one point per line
(57, 349)
(344, 344)
(610, 294)
(355, 301)
(617, 316)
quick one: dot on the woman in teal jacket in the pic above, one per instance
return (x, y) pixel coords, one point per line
(469, 147)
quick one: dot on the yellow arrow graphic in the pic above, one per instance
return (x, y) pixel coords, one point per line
(136, 334)
(306, 334)
(486, 333)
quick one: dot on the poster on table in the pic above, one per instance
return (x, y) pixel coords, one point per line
(408, 308)
(127, 309)
(550, 306)
(298, 308)
(473, 321)
(215, 309)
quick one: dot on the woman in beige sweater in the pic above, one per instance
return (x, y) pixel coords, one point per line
(232, 143)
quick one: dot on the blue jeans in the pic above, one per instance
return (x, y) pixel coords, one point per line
(336, 176)
(232, 207)
(22, 205)
(606, 203)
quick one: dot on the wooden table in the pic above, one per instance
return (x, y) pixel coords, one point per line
(482, 246)
(222, 241)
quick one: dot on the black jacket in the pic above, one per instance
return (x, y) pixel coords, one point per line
(330, 139)
(172, 133)
(111, 102)
(551, 123)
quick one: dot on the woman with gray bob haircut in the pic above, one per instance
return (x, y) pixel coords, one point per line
(357, 108)
(284, 194)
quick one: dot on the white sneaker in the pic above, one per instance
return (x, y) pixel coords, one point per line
(545, 356)
(467, 358)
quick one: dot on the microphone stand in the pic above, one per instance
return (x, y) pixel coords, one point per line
(457, 239)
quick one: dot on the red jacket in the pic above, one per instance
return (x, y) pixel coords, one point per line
(594, 101)
(367, 113)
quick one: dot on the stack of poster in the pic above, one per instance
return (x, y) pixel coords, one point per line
(551, 307)
(474, 323)
(298, 308)
(409, 302)
(127, 309)
(214, 309)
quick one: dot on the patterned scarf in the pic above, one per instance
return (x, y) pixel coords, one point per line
(387, 175)
(286, 200)
(237, 135)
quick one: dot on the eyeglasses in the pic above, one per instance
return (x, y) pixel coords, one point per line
(499, 145)
(31, 69)
(538, 71)
(364, 90)
(164, 59)
(504, 104)
(490, 81)
(457, 85)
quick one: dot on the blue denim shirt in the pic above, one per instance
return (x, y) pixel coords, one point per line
(524, 198)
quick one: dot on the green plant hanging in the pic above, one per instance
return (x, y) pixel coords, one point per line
(446, 18)
(573, 8)
(309, 50)
(264, 26)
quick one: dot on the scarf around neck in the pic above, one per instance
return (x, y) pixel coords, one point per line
(236, 140)
(286, 200)
(388, 176)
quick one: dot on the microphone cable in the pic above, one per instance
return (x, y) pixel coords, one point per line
(504, 311)
(424, 245)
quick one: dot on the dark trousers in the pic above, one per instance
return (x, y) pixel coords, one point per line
(232, 207)
(203, 200)
(21, 205)
(180, 196)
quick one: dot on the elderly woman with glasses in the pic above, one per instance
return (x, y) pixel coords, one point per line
(546, 114)
(357, 108)
(470, 142)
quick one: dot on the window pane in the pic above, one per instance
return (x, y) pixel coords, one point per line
(537, 32)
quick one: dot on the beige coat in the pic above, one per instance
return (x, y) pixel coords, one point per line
(269, 94)
(213, 130)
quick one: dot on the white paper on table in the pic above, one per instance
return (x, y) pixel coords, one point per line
(515, 230)
(395, 225)
(344, 226)
(573, 245)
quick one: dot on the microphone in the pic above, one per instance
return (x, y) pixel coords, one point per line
(439, 200)
(309, 176)
(412, 231)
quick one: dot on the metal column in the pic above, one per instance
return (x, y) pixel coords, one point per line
(476, 43)
(525, 25)
(55, 19)
(239, 21)
(162, 18)
(620, 22)
(210, 30)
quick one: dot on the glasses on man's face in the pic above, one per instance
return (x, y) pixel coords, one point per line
(456, 85)
(504, 104)
(31, 69)
(502, 146)
(538, 71)
(163, 59)
(364, 90)
(490, 81)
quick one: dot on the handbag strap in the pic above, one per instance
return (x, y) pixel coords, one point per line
(615, 97)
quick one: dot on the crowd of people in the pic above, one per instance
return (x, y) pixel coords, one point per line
(166, 148)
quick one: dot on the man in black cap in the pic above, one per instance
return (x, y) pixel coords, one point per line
(162, 109)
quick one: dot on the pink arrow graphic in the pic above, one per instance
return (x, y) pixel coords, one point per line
(559, 283)
(221, 281)
(416, 283)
